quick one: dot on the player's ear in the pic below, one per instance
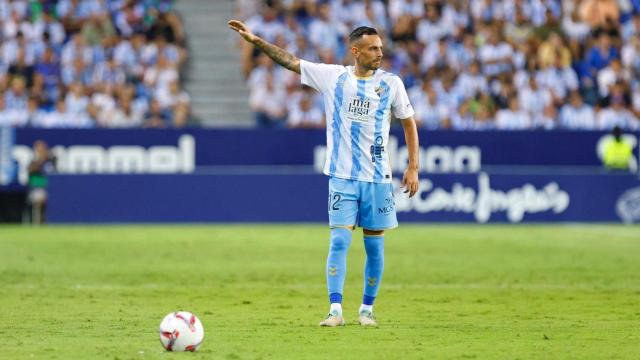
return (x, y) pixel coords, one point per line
(354, 50)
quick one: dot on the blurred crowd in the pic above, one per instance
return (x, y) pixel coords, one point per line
(467, 65)
(91, 63)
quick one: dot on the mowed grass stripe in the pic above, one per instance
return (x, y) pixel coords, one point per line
(460, 291)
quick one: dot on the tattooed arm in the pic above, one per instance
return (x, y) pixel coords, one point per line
(277, 54)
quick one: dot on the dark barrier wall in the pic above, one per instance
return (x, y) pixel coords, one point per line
(297, 147)
(273, 175)
(283, 198)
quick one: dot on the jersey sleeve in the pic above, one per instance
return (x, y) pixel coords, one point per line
(319, 76)
(401, 106)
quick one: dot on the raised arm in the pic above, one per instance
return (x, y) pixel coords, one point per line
(410, 177)
(276, 53)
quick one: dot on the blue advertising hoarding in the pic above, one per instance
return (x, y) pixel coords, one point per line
(297, 146)
(197, 175)
(303, 198)
(102, 151)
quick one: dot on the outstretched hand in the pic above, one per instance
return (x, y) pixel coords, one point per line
(410, 181)
(242, 29)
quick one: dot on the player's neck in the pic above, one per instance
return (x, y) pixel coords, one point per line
(361, 72)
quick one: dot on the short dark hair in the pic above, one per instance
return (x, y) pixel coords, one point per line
(357, 33)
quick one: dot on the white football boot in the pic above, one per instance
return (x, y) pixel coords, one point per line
(333, 319)
(365, 318)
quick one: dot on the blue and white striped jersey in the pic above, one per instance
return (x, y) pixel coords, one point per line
(358, 112)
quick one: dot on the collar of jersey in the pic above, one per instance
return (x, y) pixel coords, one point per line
(353, 71)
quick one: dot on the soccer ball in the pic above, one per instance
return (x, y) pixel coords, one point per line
(181, 331)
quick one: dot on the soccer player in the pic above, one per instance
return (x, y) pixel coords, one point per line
(359, 101)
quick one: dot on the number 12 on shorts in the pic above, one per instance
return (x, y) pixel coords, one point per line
(334, 201)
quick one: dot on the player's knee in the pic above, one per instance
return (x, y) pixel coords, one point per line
(374, 246)
(339, 244)
(340, 239)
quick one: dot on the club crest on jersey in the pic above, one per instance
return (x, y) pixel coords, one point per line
(379, 90)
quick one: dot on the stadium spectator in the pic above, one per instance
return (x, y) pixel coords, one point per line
(20, 68)
(553, 52)
(47, 71)
(433, 27)
(130, 19)
(326, 33)
(559, 80)
(97, 28)
(167, 24)
(158, 77)
(513, 118)
(472, 81)
(577, 115)
(463, 118)
(171, 96)
(547, 25)
(612, 74)
(503, 90)
(56, 118)
(576, 30)
(122, 115)
(619, 90)
(75, 49)
(403, 28)
(618, 153)
(464, 54)
(495, 55)
(400, 8)
(565, 47)
(267, 24)
(77, 104)
(53, 45)
(596, 13)
(617, 115)
(12, 117)
(42, 165)
(155, 117)
(631, 56)
(429, 113)
(11, 47)
(533, 98)
(520, 30)
(269, 102)
(16, 97)
(600, 54)
(545, 120)
(436, 55)
(302, 113)
(48, 26)
(631, 28)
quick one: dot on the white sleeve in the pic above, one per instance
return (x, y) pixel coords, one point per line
(401, 105)
(319, 76)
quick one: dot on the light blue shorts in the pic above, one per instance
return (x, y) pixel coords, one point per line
(368, 205)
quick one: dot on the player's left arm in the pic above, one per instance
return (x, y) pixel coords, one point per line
(403, 110)
(410, 177)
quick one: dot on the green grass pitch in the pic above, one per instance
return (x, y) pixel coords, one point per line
(459, 292)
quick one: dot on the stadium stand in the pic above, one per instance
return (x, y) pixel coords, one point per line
(92, 63)
(213, 77)
(468, 65)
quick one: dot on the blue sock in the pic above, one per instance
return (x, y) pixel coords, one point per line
(373, 267)
(337, 263)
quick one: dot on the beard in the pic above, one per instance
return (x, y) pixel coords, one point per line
(375, 64)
